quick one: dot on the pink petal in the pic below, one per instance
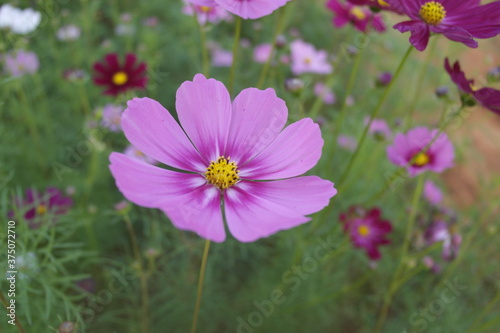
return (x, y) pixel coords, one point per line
(150, 186)
(258, 118)
(296, 150)
(204, 110)
(250, 217)
(198, 211)
(303, 195)
(153, 130)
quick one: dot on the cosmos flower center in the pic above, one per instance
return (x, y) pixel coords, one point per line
(120, 78)
(358, 13)
(222, 173)
(205, 9)
(420, 159)
(41, 209)
(308, 60)
(363, 230)
(432, 12)
(382, 3)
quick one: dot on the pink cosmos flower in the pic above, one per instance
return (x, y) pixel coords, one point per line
(487, 97)
(230, 151)
(321, 90)
(262, 53)
(439, 231)
(136, 153)
(38, 207)
(306, 59)
(21, 62)
(421, 149)
(347, 142)
(251, 9)
(432, 193)
(361, 17)
(458, 20)
(111, 117)
(378, 128)
(366, 229)
(213, 13)
(221, 57)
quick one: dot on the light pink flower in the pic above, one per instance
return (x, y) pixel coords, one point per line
(223, 147)
(251, 9)
(111, 117)
(420, 149)
(262, 53)
(204, 13)
(306, 59)
(378, 128)
(136, 153)
(21, 62)
(321, 90)
(347, 142)
(222, 58)
(432, 193)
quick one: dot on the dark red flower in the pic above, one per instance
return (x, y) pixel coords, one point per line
(366, 229)
(120, 78)
(487, 97)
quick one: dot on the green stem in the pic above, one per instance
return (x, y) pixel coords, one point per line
(374, 114)
(84, 99)
(350, 86)
(277, 30)
(5, 304)
(142, 275)
(395, 283)
(237, 34)
(418, 86)
(200, 285)
(204, 50)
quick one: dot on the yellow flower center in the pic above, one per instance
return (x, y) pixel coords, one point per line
(205, 9)
(357, 13)
(382, 3)
(363, 230)
(222, 173)
(41, 209)
(120, 78)
(432, 12)
(420, 159)
(308, 61)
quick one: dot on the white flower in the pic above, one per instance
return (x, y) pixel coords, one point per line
(19, 21)
(68, 32)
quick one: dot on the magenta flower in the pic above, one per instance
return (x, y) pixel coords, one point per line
(420, 150)
(21, 62)
(458, 20)
(111, 117)
(306, 59)
(228, 151)
(487, 97)
(221, 57)
(38, 207)
(432, 193)
(119, 78)
(366, 229)
(251, 9)
(439, 231)
(347, 142)
(361, 17)
(378, 128)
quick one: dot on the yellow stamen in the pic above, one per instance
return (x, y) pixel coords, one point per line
(382, 3)
(205, 9)
(420, 159)
(308, 60)
(363, 230)
(357, 13)
(222, 173)
(120, 78)
(41, 209)
(432, 12)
